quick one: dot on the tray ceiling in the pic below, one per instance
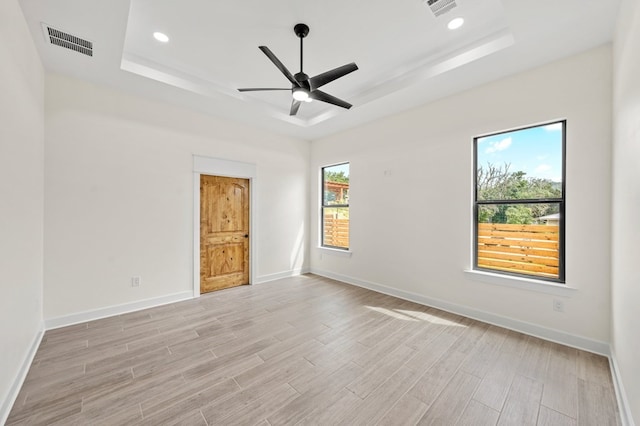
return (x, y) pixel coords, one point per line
(406, 54)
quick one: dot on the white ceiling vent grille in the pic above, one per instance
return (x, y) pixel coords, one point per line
(440, 7)
(68, 41)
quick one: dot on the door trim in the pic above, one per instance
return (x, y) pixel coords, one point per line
(227, 168)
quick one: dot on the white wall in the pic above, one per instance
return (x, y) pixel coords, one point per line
(119, 195)
(411, 227)
(21, 197)
(626, 203)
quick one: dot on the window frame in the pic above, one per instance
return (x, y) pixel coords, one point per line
(561, 279)
(323, 206)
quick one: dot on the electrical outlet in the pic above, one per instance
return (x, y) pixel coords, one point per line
(135, 281)
(558, 305)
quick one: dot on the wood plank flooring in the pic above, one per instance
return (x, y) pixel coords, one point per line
(308, 350)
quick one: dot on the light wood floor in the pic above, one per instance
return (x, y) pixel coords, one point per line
(308, 350)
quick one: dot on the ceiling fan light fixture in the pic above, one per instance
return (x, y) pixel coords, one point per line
(300, 94)
(455, 23)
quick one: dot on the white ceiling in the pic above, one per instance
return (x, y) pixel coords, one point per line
(405, 54)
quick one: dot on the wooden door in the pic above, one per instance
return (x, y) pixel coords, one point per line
(224, 232)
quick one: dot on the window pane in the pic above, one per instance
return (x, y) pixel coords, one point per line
(523, 164)
(336, 184)
(336, 227)
(520, 238)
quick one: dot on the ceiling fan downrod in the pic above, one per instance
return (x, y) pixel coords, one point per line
(302, 30)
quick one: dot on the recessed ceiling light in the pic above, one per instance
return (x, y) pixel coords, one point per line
(455, 23)
(161, 37)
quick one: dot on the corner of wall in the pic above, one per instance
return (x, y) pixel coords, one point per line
(621, 395)
(21, 375)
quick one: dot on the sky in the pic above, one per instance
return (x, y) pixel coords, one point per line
(537, 151)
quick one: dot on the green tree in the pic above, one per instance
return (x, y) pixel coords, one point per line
(519, 214)
(336, 177)
(499, 183)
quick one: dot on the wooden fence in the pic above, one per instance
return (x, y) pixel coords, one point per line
(525, 249)
(336, 231)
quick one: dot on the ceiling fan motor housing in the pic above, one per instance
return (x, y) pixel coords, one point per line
(303, 79)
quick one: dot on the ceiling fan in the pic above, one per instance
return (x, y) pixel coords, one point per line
(305, 89)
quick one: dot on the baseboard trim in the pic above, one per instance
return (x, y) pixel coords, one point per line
(557, 336)
(280, 275)
(7, 404)
(621, 396)
(110, 311)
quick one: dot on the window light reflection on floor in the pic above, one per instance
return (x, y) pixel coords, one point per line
(392, 314)
(408, 315)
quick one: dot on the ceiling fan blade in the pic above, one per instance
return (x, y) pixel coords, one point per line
(327, 77)
(259, 89)
(325, 97)
(295, 106)
(279, 64)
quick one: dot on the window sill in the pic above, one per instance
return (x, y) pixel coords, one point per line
(335, 252)
(521, 282)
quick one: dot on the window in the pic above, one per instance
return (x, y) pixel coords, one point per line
(335, 206)
(519, 202)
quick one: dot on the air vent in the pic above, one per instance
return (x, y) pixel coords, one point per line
(440, 7)
(68, 41)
